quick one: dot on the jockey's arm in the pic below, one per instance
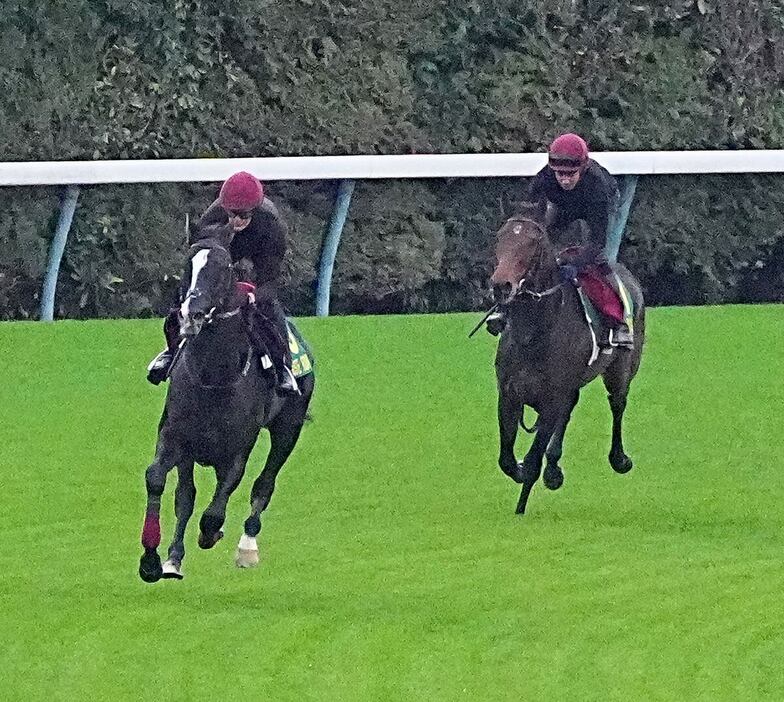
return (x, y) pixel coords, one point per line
(268, 277)
(537, 190)
(268, 258)
(593, 249)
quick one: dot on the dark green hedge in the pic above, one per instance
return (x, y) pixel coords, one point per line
(143, 79)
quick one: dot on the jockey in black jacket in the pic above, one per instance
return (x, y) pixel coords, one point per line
(259, 236)
(577, 188)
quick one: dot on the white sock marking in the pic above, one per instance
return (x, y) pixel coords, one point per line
(248, 543)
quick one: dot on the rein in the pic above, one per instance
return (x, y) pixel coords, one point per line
(538, 294)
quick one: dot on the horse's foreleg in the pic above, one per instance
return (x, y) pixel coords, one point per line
(532, 463)
(283, 438)
(184, 498)
(155, 479)
(616, 380)
(229, 477)
(553, 475)
(509, 408)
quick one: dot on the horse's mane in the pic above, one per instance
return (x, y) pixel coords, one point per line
(221, 234)
(530, 209)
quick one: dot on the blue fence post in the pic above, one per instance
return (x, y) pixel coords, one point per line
(330, 248)
(628, 187)
(67, 208)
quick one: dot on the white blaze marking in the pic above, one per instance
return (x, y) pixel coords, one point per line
(198, 263)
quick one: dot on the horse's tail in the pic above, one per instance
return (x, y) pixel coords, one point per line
(533, 428)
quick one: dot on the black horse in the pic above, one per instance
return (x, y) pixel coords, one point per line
(548, 352)
(218, 401)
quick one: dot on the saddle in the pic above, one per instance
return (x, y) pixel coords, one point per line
(603, 295)
(612, 301)
(606, 304)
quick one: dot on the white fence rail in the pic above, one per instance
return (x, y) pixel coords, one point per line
(366, 167)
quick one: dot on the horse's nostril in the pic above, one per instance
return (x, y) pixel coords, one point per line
(198, 316)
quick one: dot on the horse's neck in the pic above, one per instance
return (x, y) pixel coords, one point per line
(533, 320)
(217, 355)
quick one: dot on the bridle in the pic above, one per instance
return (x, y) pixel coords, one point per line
(520, 288)
(212, 314)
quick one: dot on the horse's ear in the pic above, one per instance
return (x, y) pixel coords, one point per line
(191, 229)
(532, 209)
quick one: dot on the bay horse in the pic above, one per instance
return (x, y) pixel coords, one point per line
(547, 352)
(218, 400)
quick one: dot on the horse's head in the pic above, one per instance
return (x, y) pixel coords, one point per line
(212, 283)
(521, 245)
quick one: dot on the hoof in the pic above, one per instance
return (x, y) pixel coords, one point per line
(206, 542)
(621, 464)
(172, 570)
(246, 558)
(553, 477)
(515, 473)
(150, 566)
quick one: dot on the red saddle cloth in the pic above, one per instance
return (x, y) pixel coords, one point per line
(601, 293)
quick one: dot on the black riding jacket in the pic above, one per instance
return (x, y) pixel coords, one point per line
(593, 199)
(263, 242)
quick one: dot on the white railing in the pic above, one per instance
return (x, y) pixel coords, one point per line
(366, 167)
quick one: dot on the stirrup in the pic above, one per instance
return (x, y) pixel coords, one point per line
(289, 384)
(621, 337)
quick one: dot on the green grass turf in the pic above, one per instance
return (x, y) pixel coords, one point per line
(393, 566)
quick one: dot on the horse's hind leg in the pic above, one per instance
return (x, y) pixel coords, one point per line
(616, 379)
(150, 569)
(184, 498)
(229, 477)
(283, 438)
(553, 475)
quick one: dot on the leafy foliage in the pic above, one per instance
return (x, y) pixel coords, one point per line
(201, 78)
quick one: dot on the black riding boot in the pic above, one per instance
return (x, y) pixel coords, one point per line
(158, 370)
(159, 367)
(270, 314)
(621, 335)
(496, 323)
(287, 383)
